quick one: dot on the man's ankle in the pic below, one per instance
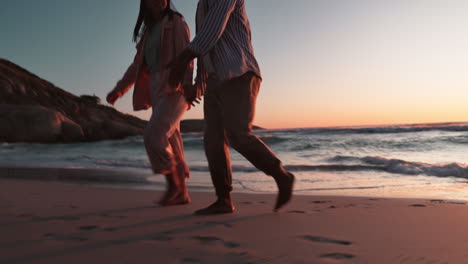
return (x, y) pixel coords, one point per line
(279, 173)
(225, 199)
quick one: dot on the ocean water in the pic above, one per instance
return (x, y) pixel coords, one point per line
(429, 160)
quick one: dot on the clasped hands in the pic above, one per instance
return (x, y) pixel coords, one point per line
(178, 67)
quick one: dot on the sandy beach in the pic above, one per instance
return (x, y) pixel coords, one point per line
(52, 222)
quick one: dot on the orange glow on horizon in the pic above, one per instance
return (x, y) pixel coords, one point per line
(282, 118)
(362, 117)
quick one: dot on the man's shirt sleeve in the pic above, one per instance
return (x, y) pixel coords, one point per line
(213, 26)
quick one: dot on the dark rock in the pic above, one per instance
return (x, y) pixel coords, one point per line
(21, 123)
(35, 110)
(92, 99)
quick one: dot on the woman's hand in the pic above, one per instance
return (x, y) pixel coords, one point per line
(190, 94)
(112, 97)
(179, 66)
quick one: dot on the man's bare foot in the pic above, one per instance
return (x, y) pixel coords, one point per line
(221, 206)
(285, 190)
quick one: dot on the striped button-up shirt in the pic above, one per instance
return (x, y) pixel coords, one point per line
(223, 43)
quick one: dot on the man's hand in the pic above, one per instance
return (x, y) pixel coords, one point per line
(179, 66)
(112, 97)
(190, 94)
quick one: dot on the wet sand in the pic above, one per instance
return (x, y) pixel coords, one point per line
(50, 222)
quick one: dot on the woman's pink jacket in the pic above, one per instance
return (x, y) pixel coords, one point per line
(175, 37)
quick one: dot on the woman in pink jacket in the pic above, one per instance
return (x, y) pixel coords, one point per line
(161, 34)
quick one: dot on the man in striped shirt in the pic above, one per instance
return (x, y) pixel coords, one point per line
(230, 76)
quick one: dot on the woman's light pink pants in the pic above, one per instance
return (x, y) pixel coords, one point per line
(163, 141)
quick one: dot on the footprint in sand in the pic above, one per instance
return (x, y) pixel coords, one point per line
(443, 201)
(191, 261)
(89, 227)
(207, 239)
(162, 238)
(219, 223)
(337, 256)
(210, 240)
(320, 202)
(65, 238)
(297, 212)
(68, 218)
(77, 239)
(460, 203)
(25, 216)
(230, 244)
(113, 216)
(326, 240)
(417, 259)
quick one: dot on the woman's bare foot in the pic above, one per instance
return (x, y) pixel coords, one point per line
(168, 195)
(179, 198)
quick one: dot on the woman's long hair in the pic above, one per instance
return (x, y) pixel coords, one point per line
(144, 18)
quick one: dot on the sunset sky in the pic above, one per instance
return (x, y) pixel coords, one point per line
(324, 62)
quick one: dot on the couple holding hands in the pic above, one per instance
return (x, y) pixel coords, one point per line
(228, 77)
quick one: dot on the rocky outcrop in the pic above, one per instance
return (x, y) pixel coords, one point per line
(21, 123)
(35, 110)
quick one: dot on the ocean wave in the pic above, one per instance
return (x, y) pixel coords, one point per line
(462, 140)
(118, 163)
(236, 168)
(450, 127)
(335, 164)
(197, 142)
(320, 167)
(129, 142)
(270, 139)
(306, 146)
(399, 166)
(193, 143)
(407, 144)
(416, 168)
(340, 158)
(392, 166)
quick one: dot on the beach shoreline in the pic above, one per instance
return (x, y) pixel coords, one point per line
(53, 222)
(133, 179)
